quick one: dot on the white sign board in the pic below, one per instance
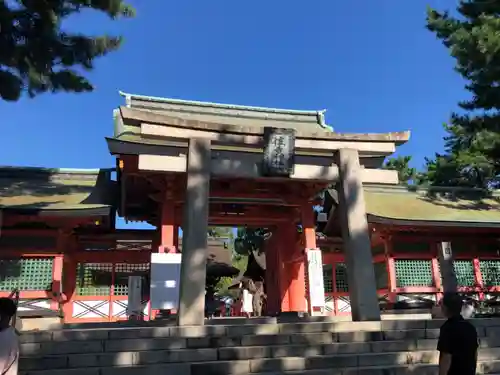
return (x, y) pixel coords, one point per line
(165, 277)
(134, 305)
(315, 273)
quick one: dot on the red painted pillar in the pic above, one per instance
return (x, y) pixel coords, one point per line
(436, 272)
(282, 253)
(308, 241)
(62, 244)
(70, 278)
(478, 276)
(391, 271)
(57, 272)
(168, 228)
(273, 293)
(297, 289)
(167, 239)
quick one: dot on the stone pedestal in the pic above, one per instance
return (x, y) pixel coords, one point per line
(357, 245)
(194, 241)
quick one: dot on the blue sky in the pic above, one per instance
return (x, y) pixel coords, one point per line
(372, 64)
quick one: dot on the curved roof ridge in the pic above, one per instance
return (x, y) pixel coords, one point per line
(139, 115)
(129, 96)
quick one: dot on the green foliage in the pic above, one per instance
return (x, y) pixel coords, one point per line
(220, 232)
(249, 239)
(473, 142)
(220, 284)
(246, 241)
(240, 262)
(401, 164)
(465, 162)
(37, 55)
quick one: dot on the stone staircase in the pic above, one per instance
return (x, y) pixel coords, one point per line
(312, 348)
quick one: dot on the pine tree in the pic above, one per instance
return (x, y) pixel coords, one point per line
(38, 56)
(401, 164)
(222, 287)
(466, 162)
(250, 239)
(473, 145)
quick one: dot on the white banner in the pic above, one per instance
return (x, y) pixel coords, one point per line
(316, 283)
(165, 278)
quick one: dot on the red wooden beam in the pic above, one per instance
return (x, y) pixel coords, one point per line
(29, 232)
(30, 294)
(245, 221)
(24, 252)
(11, 220)
(112, 256)
(229, 194)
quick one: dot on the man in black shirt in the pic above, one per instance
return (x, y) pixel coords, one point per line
(458, 342)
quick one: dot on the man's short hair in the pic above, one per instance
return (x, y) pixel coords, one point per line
(8, 307)
(453, 303)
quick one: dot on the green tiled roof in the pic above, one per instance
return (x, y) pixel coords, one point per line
(55, 189)
(438, 205)
(229, 113)
(128, 120)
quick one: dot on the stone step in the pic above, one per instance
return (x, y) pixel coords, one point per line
(338, 347)
(258, 359)
(246, 329)
(249, 329)
(117, 341)
(247, 352)
(292, 366)
(419, 369)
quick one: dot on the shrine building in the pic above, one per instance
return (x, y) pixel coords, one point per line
(191, 165)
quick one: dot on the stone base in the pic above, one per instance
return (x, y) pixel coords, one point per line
(38, 324)
(437, 313)
(164, 315)
(291, 316)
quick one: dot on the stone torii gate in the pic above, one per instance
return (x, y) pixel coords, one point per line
(204, 152)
